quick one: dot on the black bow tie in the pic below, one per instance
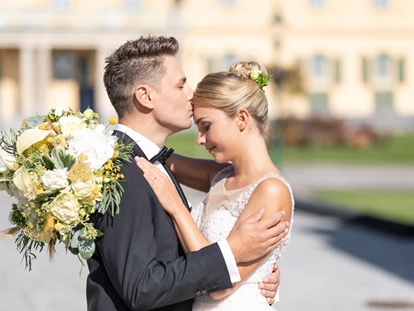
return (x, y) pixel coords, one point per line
(163, 155)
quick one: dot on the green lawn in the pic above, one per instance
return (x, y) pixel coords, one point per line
(400, 149)
(391, 205)
(185, 143)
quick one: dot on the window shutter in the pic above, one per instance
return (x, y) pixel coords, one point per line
(365, 70)
(401, 70)
(337, 71)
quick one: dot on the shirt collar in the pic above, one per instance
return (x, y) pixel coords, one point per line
(148, 147)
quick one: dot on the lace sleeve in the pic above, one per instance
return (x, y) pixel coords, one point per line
(197, 211)
(224, 172)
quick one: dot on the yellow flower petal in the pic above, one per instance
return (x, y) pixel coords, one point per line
(28, 138)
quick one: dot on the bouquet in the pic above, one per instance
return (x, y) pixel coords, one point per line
(62, 169)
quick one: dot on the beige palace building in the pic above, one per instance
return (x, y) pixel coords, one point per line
(355, 56)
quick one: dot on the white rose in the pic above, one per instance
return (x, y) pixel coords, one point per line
(96, 144)
(88, 114)
(83, 189)
(70, 125)
(65, 207)
(56, 179)
(58, 111)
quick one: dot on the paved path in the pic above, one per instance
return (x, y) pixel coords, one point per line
(308, 177)
(329, 265)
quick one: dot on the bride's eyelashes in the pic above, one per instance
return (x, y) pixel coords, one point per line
(206, 127)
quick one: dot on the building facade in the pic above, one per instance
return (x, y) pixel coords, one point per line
(355, 57)
(52, 52)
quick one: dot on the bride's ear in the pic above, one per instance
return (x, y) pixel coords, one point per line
(242, 119)
(143, 96)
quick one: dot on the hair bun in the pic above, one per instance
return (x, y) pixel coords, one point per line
(243, 69)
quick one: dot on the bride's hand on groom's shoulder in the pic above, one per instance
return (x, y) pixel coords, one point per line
(255, 237)
(162, 186)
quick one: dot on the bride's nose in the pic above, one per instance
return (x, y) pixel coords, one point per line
(201, 139)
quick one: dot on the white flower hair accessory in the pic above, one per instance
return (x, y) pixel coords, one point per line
(261, 79)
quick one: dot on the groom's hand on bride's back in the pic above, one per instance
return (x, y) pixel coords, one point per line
(255, 237)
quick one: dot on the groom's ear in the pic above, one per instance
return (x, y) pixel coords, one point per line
(242, 119)
(143, 96)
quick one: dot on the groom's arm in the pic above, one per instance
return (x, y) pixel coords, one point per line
(193, 172)
(128, 250)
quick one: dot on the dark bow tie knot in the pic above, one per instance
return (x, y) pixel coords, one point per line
(162, 155)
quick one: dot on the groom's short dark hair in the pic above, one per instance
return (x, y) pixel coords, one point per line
(138, 61)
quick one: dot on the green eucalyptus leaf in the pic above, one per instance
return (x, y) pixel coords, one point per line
(75, 239)
(86, 248)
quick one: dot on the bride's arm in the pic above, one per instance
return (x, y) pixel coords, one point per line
(274, 196)
(270, 194)
(194, 173)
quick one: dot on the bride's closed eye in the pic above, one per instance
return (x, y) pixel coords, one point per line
(206, 127)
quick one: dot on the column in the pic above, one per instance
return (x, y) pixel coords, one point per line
(26, 81)
(44, 73)
(102, 103)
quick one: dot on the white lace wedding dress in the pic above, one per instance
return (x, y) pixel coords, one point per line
(215, 217)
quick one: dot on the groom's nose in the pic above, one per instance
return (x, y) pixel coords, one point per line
(191, 95)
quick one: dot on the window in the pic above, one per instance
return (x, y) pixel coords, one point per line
(381, 4)
(228, 2)
(319, 104)
(63, 65)
(318, 66)
(228, 60)
(384, 103)
(61, 5)
(277, 18)
(316, 3)
(382, 67)
(134, 5)
(83, 71)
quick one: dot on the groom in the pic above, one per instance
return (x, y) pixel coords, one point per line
(139, 263)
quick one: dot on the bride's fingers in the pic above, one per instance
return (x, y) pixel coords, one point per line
(150, 172)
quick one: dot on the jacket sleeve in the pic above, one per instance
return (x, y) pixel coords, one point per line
(128, 250)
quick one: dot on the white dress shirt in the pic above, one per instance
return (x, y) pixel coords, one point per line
(150, 149)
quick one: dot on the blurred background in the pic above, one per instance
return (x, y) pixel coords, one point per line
(341, 102)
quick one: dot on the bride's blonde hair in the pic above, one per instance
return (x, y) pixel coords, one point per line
(234, 89)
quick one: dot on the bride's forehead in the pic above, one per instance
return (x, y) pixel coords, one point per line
(202, 111)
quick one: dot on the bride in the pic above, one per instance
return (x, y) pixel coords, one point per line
(231, 113)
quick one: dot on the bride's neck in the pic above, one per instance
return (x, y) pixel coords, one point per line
(252, 160)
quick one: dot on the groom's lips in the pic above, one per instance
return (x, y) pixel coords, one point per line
(209, 149)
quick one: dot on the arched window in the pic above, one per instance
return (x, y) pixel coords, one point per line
(133, 5)
(316, 3)
(61, 5)
(381, 4)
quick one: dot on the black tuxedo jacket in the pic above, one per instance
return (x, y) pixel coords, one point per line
(139, 263)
